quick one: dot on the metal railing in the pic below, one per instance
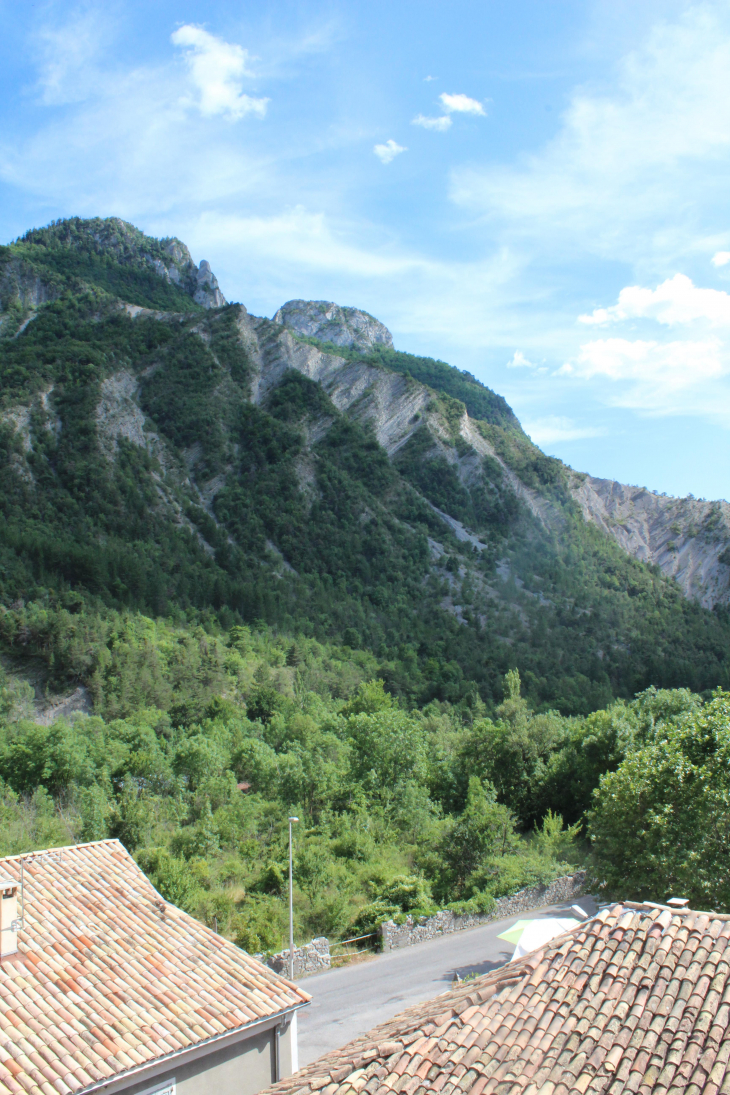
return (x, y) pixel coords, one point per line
(346, 942)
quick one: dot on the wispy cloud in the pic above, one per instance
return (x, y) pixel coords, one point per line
(721, 258)
(677, 365)
(217, 69)
(554, 428)
(299, 239)
(69, 55)
(441, 123)
(633, 168)
(388, 151)
(461, 104)
(658, 379)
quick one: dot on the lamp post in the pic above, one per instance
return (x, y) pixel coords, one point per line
(291, 904)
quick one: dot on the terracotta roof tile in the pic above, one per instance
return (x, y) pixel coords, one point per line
(635, 1000)
(108, 976)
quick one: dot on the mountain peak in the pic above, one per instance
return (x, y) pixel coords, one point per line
(112, 254)
(328, 322)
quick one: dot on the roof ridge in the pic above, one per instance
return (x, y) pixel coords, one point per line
(62, 848)
(674, 910)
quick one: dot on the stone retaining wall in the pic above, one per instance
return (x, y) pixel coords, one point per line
(428, 927)
(315, 956)
(311, 958)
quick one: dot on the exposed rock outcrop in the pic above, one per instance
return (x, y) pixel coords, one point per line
(207, 293)
(687, 538)
(328, 322)
(118, 413)
(22, 286)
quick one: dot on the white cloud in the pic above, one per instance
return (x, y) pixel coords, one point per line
(677, 365)
(519, 361)
(388, 151)
(439, 124)
(461, 104)
(555, 428)
(217, 69)
(685, 377)
(675, 301)
(721, 258)
(428, 79)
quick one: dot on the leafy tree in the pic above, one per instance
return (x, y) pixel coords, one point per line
(483, 831)
(172, 878)
(660, 826)
(259, 926)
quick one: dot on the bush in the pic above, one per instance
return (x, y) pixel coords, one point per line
(409, 893)
(172, 878)
(479, 903)
(374, 914)
(260, 926)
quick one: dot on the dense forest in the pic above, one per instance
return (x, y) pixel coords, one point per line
(203, 742)
(459, 685)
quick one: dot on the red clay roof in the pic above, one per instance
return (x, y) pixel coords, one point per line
(636, 1000)
(109, 977)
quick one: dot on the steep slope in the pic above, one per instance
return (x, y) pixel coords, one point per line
(202, 459)
(687, 538)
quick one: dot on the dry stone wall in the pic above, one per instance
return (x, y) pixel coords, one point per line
(444, 922)
(311, 958)
(315, 957)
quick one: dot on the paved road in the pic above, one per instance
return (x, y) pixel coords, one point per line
(351, 1000)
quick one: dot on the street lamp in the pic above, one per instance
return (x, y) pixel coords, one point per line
(291, 905)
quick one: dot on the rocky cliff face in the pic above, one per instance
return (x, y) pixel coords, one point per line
(207, 291)
(688, 539)
(328, 322)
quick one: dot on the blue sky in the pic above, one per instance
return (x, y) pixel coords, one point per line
(538, 193)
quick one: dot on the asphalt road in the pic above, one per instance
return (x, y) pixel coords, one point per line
(351, 1000)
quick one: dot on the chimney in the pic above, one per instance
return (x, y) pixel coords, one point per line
(8, 917)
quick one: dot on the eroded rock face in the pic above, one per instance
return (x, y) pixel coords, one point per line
(328, 322)
(207, 293)
(686, 537)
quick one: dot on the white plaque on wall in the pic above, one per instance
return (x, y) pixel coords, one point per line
(166, 1087)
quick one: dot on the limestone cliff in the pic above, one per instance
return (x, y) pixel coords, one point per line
(687, 538)
(328, 322)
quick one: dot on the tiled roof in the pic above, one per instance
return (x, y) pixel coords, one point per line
(636, 1000)
(109, 977)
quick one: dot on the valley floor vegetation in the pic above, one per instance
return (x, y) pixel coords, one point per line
(203, 741)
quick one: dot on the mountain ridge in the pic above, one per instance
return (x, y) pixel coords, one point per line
(206, 459)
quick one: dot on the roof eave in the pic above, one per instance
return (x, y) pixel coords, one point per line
(181, 1056)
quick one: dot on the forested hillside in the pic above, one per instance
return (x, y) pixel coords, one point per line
(286, 573)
